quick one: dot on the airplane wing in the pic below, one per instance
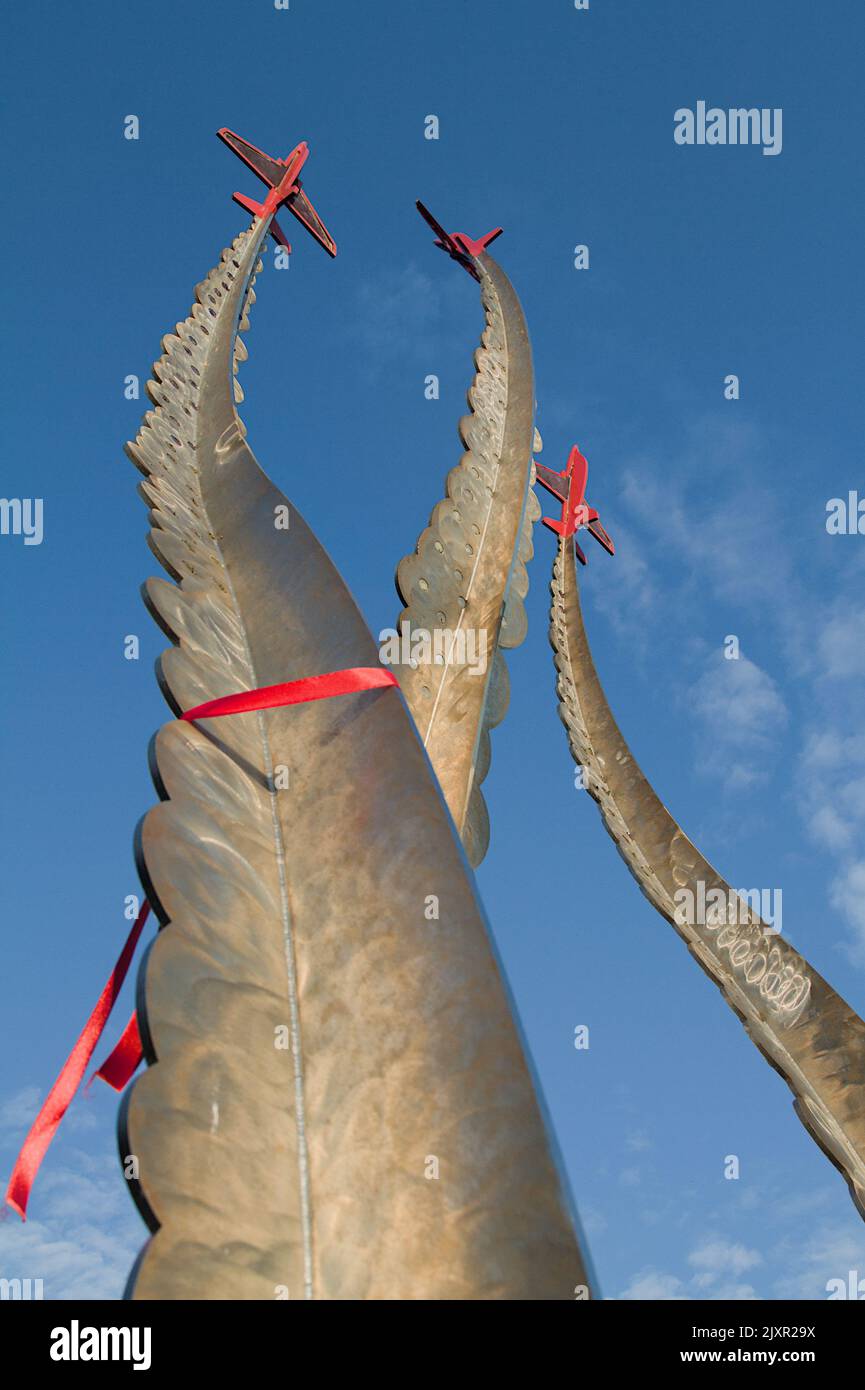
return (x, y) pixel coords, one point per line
(446, 242)
(270, 171)
(299, 204)
(431, 222)
(578, 471)
(559, 484)
(600, 535)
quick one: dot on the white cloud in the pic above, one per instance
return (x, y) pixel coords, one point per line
(729, 546)
(810, 1261)
(630, 1177)
(651, 1284)
(716, 1261)
(716, 1256)
(638, 1141)
(19, 1111)
(741, 715)
(735, 1293)
(83, 1232)
(829, 829)
(84, 1236)
(823, 750)
(827, 749)
(625, 593)
(852, 798)
(847, 894)
(593, 1219)
(739, 703)
(841, 643)
(834, 814)
(403, 314)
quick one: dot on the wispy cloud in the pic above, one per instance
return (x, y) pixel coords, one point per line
(728, 563)
(741, 715)
(841, 642)
(638, 1141)
(85, 1234)
(18, 1112)
(716, 1256)
(627, 595)
(847, 894)
(813, 1258)
(716, 1264)
(834, 816)
(651, 1285)
(404, 314)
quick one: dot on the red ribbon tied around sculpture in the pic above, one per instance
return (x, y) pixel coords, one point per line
(118, 1068)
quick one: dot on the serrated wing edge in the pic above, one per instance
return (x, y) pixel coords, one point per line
(467, 577)
(801, 1025)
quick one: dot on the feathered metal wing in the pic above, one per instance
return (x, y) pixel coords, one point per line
(337, 1103)
(804, 1029)
(466, 582)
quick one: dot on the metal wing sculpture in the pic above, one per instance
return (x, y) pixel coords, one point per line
(337, 1102)
(803, 1028)
(466, 581)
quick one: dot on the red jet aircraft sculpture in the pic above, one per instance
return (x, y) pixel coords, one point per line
(459, 247)
(570, 489)
(281, 177)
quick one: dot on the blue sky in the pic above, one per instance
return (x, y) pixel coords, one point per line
(704, 261)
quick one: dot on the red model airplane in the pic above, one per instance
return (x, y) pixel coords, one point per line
(281, 177)
(570, 488)
(458, 246)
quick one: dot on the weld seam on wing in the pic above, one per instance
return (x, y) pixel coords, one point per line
(291, 974)
(285, 914)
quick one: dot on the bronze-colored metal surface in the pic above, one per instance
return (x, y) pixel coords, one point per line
(337, 1103)
(467, 577)
(805, 1030)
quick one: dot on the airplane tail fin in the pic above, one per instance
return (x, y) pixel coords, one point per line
(475, 246)
(257, 210)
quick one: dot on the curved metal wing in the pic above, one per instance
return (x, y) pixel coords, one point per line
(337, 1103)
(804, 1029)
(466, 581)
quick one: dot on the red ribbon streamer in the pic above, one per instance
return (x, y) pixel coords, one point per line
(296, 692)
(118, 1068)
(45, 1125)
